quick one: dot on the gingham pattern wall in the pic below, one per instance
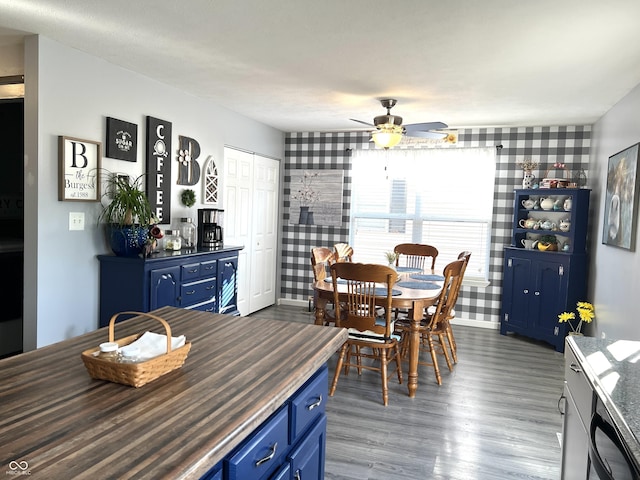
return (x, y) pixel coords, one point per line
(316, 151)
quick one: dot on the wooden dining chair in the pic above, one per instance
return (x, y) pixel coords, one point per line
(343, 252)
(464, 255)
(370, 337)
(436, 324)
(321, 260)
(416, 255)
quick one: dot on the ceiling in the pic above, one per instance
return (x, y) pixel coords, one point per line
(301, 65)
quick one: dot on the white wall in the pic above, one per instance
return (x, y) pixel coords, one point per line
(614, 283)
(71, 93)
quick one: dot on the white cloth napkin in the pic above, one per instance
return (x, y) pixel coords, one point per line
(151, 345)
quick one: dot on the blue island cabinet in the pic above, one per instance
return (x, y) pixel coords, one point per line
(195, 279)
(539, 285)
(290, 445)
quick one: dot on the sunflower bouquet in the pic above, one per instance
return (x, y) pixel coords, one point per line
(586, 314)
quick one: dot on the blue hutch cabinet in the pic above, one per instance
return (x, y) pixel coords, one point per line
(539, 285)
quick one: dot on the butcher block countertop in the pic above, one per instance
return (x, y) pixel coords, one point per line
(64, 424)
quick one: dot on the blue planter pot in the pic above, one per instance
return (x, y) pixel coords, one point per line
(127, 241)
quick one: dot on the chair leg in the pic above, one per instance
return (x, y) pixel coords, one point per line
(434, 359)
(452, 344)
(383, 373)
(445, 351)
(336, 375)
(398, 360)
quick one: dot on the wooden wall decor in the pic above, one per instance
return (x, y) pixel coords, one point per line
(122, 140)
(188, 166)
(159, 168)
(210, 182)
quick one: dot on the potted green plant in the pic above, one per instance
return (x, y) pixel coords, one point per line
(547, 243)
(128, 215)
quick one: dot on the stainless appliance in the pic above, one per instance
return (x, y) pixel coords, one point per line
(609, 456)
(209, 228)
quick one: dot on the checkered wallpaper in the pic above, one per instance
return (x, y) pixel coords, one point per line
(545, 145)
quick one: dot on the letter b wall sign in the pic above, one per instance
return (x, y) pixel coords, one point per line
(79, 169)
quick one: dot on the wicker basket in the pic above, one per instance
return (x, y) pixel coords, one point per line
(135, 374)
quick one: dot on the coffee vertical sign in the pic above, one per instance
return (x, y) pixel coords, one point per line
(159, 168)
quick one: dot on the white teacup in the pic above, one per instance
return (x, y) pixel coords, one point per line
(527, 243)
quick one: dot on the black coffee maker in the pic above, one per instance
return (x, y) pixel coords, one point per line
(209, 228)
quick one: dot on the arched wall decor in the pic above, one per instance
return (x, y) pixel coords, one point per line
(210, 182)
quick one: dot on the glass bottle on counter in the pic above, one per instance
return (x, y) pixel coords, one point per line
(172, 240)
(188, 232)
(109, 351)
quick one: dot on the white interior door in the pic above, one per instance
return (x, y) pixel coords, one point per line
(266, 180)
(251, 186)
(238, 168)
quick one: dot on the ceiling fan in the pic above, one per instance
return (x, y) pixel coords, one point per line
(389, 129)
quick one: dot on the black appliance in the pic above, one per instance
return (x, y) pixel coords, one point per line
(209, 228)
(609, 457)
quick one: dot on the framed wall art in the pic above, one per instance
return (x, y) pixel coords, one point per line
(79, 169)
(316, 197)
(621, 199)
(122, 139)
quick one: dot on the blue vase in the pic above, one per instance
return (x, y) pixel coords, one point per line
(127, 241)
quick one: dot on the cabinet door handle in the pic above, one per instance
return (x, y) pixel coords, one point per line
(268, 457)
(536, 293)
(296, 476)
(526, 290)
(560, 402)
(315, 404)
(575, 368)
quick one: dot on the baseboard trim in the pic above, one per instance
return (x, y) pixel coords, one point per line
(456, 321)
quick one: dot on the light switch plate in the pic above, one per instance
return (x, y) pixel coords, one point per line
(76, 220)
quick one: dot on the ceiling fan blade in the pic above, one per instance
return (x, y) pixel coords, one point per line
(364, 123)
(425, 127)
(422, 134)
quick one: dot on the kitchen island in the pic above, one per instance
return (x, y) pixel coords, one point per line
(602, 387)
(61, 423)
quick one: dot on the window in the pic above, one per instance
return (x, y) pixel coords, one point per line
(441, 197)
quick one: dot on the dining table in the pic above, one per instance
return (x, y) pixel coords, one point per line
(410, 293)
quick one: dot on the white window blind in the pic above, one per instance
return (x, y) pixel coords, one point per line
(441, 197)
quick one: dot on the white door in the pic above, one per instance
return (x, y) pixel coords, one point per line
(266, 179)
(238, 168)
(251, 185)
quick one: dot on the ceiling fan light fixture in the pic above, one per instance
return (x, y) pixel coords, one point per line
(387, 136)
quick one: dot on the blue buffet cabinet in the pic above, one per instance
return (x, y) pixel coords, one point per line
(195, 279)
(539, 285)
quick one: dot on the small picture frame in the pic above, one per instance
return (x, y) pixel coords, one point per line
(79, 169)
(621, 199)
(122, 139)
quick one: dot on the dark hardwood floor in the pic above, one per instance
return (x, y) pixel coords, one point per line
(494, 417)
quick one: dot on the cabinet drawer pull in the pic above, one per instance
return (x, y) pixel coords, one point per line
(315, 404)
(190, 292)
(194, 270)
(209, 267)
(268, 457)
(210, 287)
(575, 368)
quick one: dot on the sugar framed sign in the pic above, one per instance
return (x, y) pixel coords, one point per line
(79, 166)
